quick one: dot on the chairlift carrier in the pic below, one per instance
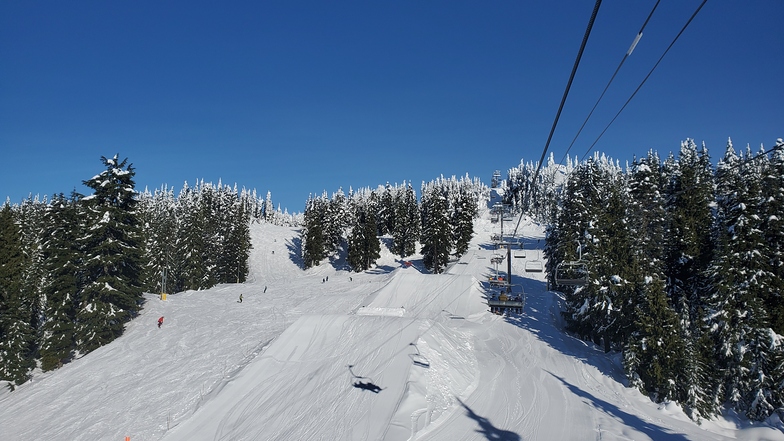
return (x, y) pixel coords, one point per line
(534, 266)
(572, 273)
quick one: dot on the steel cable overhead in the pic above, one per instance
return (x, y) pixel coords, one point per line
(646, 78)
(566, 92)
(569, 84)
(617, 69)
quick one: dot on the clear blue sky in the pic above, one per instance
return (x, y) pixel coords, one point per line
(297, 97)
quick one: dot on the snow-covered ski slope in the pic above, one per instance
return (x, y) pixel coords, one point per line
(325, 354)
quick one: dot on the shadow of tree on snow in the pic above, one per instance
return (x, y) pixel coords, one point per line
(542, 317)
(295, 251)
(487, 429)
(651, 430)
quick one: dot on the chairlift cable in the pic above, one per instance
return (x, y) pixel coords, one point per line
(646, 77)
(563, 99)
(569, 84)
(617, 69)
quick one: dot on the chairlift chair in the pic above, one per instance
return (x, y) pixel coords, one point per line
(573, 273)
(534, 266)
(521, 252)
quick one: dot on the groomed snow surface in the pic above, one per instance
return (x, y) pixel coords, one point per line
(326, 354)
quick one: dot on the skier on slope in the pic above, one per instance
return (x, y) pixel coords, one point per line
(160, 321)
(240, 298)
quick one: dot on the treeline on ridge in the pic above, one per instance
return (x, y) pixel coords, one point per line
(442, 223)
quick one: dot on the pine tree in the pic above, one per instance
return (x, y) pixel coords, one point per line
(313, 246)
(269, 208)
(386, 212)
(61, 291)
(436, 232)
(17, 336)
(407, 222)
(613, 267)
(159, 226)
(237, 246)
(111, 293)
(577, 214)
(654, 356)
(188, 267)
(773, 231)
(364, 247)
(689, 246)
(336, 218)
(739, 322)
(463, 214)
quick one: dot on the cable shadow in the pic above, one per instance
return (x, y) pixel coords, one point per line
(652, 430)
(487, 429)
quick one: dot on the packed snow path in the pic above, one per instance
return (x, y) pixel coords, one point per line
(390, 354)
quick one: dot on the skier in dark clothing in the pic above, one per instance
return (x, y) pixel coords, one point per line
(240, 298)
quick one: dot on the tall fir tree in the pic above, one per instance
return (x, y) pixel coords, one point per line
(364, 247)
(386, 211)
(772, 217)
(188, 265)
(436, 236)
(111, 294)
(312, 237)
(61, 291)
(656, 354)
(17, 336)
(690, 244)
(407, 222)
(465, 208)
(739, 321)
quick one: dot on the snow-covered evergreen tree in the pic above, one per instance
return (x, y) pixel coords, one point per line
(436, 237)
(689, 244)
(464, 210)
(656, 352)
(772, 217)
(407, 222)
(111, 293)
(17, 336)
(364, 247)
(386, 211)
(62, 284)
(745, 344)
(313, 246)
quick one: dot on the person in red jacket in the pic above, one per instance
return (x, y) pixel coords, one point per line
(160, 321)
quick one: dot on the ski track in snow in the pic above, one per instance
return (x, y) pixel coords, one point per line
(283, 364)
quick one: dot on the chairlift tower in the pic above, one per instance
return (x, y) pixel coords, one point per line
(496, 179)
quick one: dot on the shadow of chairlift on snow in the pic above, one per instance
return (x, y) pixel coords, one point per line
(418, 359)
(360, 383)
(368, 385)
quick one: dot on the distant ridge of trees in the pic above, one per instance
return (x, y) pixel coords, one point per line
(685, 269)
(442, 222)
(73, 269)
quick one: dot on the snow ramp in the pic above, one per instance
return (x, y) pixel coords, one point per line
(413, 294)
(326, 377)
